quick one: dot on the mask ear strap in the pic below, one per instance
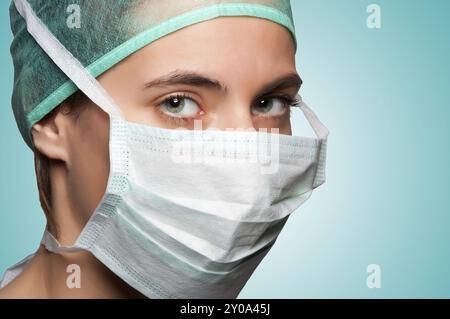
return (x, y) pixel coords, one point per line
(52, 245)
(321, 131)
(322, 134)
(66, 61)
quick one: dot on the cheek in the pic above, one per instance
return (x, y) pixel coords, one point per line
(285, 126)
(282, 124)
(89, 169)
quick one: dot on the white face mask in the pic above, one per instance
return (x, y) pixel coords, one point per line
(176, 226)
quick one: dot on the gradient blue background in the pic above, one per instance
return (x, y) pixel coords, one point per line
(384, 94)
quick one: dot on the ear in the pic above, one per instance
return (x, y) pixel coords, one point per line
(49, 135)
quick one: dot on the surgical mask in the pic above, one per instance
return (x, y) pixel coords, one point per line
(174, 226)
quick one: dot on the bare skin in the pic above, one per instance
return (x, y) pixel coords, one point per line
(245, 62)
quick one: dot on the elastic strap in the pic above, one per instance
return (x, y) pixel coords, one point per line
(322, 134)
(52, 244)
(321, 131)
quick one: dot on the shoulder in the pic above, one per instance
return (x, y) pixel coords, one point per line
(20, 279)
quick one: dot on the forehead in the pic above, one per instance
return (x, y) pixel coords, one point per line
(221, 44)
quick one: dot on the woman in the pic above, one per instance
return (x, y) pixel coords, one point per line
(126, 215)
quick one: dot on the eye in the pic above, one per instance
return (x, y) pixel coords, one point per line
(272, 106)
(180, 106)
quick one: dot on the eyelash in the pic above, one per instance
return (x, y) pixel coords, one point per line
(288, 101)
(173, 119)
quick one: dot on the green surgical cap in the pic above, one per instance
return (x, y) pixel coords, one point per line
(108, 31)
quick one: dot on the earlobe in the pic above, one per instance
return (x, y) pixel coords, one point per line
(49, 140)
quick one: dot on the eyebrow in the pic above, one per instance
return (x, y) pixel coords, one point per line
(195, 79)
(187, 78)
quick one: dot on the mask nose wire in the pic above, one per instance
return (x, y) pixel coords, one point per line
(66, 61)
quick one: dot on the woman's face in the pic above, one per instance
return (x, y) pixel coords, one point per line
(230, 73)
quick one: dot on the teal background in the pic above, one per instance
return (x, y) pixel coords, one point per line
(384, 94)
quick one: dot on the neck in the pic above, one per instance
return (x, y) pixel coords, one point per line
(66, 223)
(67, 275)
